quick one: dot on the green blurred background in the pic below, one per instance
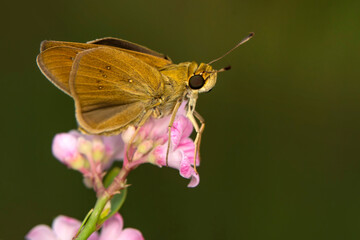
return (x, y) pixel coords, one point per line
(280, 154)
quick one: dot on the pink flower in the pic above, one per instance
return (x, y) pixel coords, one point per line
(81, 152)
(150, 145)
(89, 154)
(113, 230)
(181, 155)
(75, 150)
(64, 148)
(65, 228)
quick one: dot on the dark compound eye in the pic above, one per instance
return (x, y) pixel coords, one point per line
(196, 82)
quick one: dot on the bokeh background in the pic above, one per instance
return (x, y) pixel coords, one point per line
(280, 154)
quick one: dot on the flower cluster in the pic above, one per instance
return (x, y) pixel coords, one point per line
(91, 154)
(75, 150)
(151, 143)
(65, 228)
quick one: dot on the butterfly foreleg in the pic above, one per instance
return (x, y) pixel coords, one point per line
(198, 136)
(199, 131)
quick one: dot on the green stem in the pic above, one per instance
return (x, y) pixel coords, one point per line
(119, 181)
(90, 225)
(83, 223)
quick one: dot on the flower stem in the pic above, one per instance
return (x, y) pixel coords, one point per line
(90, 226)
(118, 183)
(96, 177)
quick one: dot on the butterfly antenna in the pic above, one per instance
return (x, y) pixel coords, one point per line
(224, 69)
(237, 45)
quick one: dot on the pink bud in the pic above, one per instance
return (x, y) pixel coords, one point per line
(64, 148)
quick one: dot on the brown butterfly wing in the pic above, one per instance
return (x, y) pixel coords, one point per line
(120, 43)
(55, 63)
(112, 89)
(46, 44)
(144, 54)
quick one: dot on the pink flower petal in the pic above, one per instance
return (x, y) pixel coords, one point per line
(178, 160)
(112, 228)
(182, 148)
(65, 227)
(188, 147)
(94, 236)
(174, 157)
(187, 127)
(181, 129)
(186, 169)
(64, 147)
(195, 180)
(114, 146)
(128, 133)
(183, 109)
(160, 153)
(41, 232)
(130, 234)
(176, 133)
(156, 128)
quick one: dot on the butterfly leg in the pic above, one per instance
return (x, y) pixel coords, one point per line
(172, 119)
(198, 135)
(199, 131)
(141, 123)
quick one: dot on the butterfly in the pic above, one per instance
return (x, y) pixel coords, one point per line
(116, 84)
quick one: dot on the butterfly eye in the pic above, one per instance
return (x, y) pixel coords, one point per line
(196, 82)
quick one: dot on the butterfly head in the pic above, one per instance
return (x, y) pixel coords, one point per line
(204, 78)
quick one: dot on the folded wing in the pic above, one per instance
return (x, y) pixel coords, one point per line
(112, 89)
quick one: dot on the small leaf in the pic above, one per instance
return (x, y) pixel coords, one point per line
(111, 175)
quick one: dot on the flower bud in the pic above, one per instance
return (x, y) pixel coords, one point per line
(64, 148)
